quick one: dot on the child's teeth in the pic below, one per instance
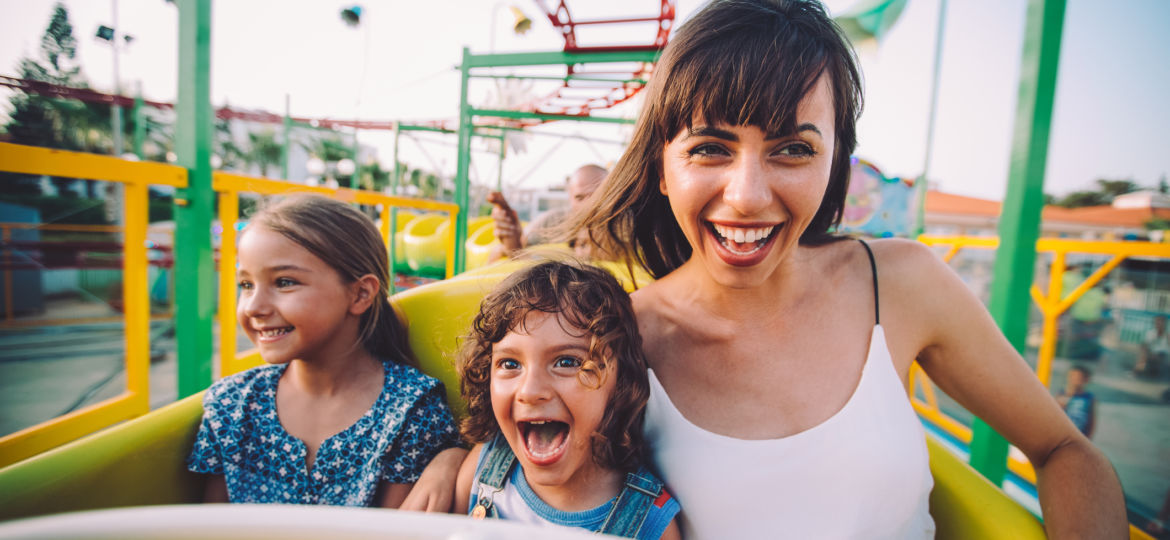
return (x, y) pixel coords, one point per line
(739, 236)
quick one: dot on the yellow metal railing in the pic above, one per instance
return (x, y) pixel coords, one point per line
(134, 401)
(229, 186)
(10, 320)
(1051, 305)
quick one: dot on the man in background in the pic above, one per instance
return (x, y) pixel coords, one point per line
(514, 237)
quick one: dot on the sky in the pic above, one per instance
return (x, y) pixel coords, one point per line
(1110, 120)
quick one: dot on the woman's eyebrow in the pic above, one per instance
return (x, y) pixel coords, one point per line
(709, 131)
(807, 126)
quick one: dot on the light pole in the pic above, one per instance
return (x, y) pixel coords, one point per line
(111, 35)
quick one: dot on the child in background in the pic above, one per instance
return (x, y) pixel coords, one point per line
(339, 415)
(555, 380)
(1078, 403)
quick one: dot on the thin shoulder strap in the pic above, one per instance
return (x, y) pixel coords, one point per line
(633, 504)
(877, 317)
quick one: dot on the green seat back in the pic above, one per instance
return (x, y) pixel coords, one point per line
(142, 461)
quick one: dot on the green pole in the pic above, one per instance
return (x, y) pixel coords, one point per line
(1019, 225)
(920, 215)
(286, 139)
(394, 178)
(500, 163)
(139, 115)
(194, 205)
(353, 180)
(464, 162)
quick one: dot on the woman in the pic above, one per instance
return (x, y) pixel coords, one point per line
(780, 352)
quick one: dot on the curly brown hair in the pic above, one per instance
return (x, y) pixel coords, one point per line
(588, 299)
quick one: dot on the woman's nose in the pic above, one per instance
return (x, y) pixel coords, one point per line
(747, 190)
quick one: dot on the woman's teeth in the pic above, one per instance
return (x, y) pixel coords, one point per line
(733, 238)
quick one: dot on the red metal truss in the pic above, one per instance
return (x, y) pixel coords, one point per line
(578, 97)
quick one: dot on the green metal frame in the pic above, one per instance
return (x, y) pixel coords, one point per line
(1019, 223)
(194, 205)
(467, 113)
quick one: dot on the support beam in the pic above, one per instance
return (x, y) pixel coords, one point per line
(1019, 224)
(553, 58)
(194, 205)
(522, 115)
(462, 177)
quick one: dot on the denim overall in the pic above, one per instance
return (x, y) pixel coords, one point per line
(625, 518)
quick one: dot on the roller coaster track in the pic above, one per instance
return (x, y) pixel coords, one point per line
(582, 90)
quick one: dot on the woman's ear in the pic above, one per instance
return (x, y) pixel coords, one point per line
(363, 292)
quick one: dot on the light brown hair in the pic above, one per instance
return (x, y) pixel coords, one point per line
(348, 242)
(587, 299)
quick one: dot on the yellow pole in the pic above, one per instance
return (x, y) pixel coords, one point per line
(229, 213)
(135, 296)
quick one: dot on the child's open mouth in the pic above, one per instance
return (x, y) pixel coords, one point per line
(544, 440)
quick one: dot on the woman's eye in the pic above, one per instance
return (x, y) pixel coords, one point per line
(708, 149)
(284, 282)
(797, 150)
(571, 362)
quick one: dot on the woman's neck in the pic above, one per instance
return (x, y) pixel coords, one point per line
(779, 292)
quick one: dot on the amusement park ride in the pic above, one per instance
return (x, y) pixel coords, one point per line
(67, 464)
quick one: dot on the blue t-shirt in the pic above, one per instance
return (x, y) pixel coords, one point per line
(518, 502)
(241, 438)
(1080, 410)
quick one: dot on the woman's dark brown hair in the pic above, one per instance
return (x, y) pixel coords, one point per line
(588, 300)
(735, 62)
(347, 241)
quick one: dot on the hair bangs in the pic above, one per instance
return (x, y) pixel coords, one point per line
(753, 71)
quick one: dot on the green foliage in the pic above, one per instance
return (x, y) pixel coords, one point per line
(1157, 223)
(1106, 191)
(264, 150)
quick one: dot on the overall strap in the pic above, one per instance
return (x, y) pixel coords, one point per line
(633, 504)
(494, 474)
(877, 319)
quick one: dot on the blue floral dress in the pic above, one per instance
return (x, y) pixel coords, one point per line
(241, 438)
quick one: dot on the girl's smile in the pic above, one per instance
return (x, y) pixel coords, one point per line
(292, 304)
(743, 197)
(545, 410)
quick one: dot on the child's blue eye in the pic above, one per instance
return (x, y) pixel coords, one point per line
(567, 362)
(285, 282)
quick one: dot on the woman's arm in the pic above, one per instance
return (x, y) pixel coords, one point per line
(392, 494)
(963, 351)
(215, 489)
(464, 479)
(434, 489)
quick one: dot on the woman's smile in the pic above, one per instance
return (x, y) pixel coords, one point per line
(743, 197)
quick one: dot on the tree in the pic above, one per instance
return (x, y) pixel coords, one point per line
(264, 150)
(1106, 191)
(37, 120)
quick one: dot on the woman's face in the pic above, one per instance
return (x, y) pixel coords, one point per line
(743, 197)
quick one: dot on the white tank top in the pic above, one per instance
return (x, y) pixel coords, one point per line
(863, 473)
